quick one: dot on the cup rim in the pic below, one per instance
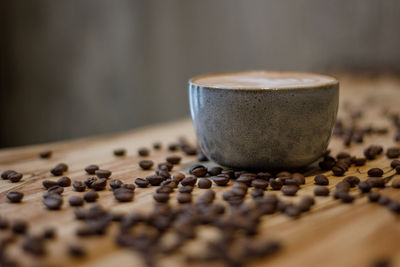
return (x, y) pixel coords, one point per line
(333, 83)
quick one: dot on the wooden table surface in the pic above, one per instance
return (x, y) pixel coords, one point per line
(331, 234)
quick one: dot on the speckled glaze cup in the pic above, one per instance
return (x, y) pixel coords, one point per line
(263, 120)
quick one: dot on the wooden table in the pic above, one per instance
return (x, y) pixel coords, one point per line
(331, 234)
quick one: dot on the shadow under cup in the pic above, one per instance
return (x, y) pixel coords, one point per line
(250, 128)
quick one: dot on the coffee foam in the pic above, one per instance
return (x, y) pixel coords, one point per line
(263, 80)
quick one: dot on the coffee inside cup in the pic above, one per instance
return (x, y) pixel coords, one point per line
(263, 80)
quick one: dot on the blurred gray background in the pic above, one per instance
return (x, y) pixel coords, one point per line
(79, 68)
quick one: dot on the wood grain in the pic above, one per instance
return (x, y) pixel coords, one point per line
(331, 234)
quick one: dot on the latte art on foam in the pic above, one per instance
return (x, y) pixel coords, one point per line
(263, 80)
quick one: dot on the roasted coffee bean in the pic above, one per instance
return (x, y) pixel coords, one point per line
(276, 184)
(119, 152)
(174, 159)
(15, 197)
(383, 200)
(345, 197)
(291, 181)
(352, 180)
(284, 174)
(264, 175)
(359, 161)
(202, 157)
(343, 155)
(198, 171)
(246, 178)
(47, 183)
(123, 194)
(321, 180)
(398, 169)
(299, 177)
(165, 189)
(229, 172)
(14, 177)
(91, 169)
(143, 152)
(204, 183)
(116, 183)
(306, 202)
(161, 197)
(364, 187)
(373, 196)
(186, 189)
(165, 166)
(146, 164)
(189, 150)
(89, 180)
(5, 174)
(338, 171)
(375, 172)
(260, 183)
(76, 251)
(45, 154)
(55, 190)
(141, 182)
(164, 174)
(179, 176)
(155, 180)
(221, 179)
(327, 163)
(257, 192)
(49, 233)
(292, 211)
(91, 196)
(321, 191)
(64, 181)
(396, 183)
(189, 180)
(393, 152)
(376, 182)
(171, 182)
(214, 171)
(75, 201)
(3, 223)
(34, 245)
(373, 151)
(103, 173)
(131, 187)
(59, 169)
(394, 206)
(343, 186)
(53, 202)
(19, 227)
(289, 190)
(157, 145)
(172, 147)
(395, 163)
(184, 198)
(99, 184)
(78, 186)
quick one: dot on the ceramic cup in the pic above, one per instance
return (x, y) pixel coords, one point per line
(263, 120)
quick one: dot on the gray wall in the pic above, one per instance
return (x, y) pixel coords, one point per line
(78, 68)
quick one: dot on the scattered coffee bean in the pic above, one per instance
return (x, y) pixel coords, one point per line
(345, 197)
(5, 174)
(174, 159)
(186, 189)
(321, 191)
(155, 180)
(165, 189)
(45, 154)
(289, 190)
(276, 184)
(292, 211)
(115, 184)
(49, 233)
(343, 186)
(292, 181)
(48, 183)
(91, 169)
(146, 164)
(373, 151)
(364, 187)
(55, 190)
(172, 147)
(3, 223)
(338, 171)
(59, 169)
(373, 196)
(103, 173)
(189, 180)
(14, 177)
(395, 163)
(141, 182)
(123, 194)
(231, 173)
(91, 196)
(161, 197)
(143, 152)
(202, 157)
(394, 207)
(393, 152)
(221, 179)
(179, 176)
(257, 192)
(321, 180)
(131, 187)
(375, 172)
(376, 182)
(204, 183)
(119, 152)
(75, 201)
(305, 204)
(359, 161)
(78, 186)
(64, 181)
(53, 202)
(396, 183)
(260, 183)
(165, 166)
(34, 245)
(15, 197)
(246, 178)
(352, 180)
(383, 200)
(76, 251)
(264, 175)
(99, 184)
(19, 227)
(157, 145)
(398, 169)
(214, 171)
(198, 171)
(184, 198)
